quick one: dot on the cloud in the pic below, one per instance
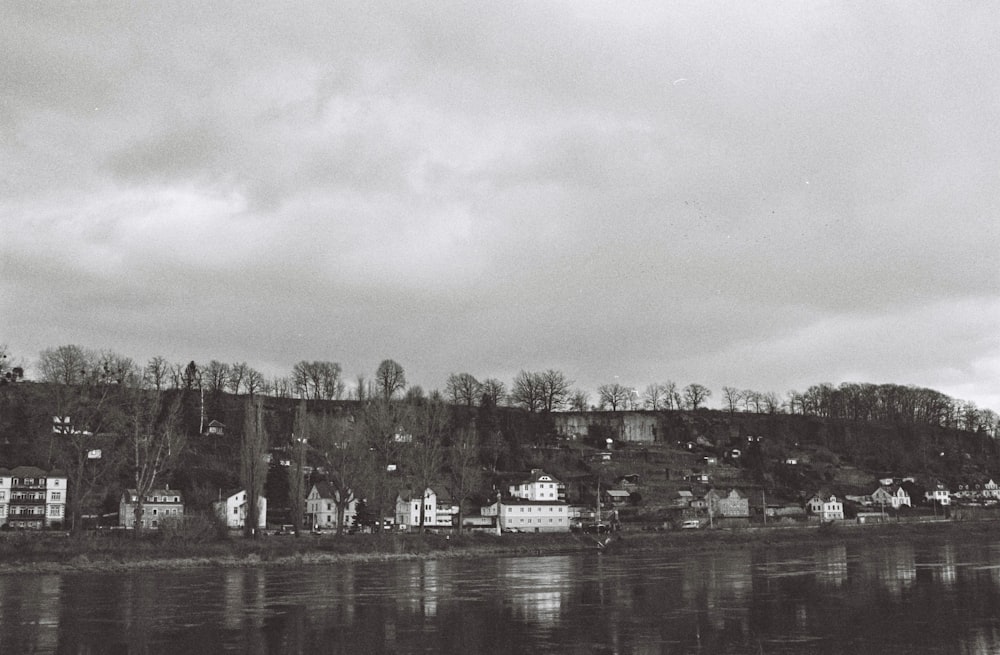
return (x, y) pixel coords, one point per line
(524, 185)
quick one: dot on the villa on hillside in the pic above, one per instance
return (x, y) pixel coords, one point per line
(31, 498)
(157, 505)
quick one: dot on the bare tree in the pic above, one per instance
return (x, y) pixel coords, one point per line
(66, 364)
(154, 440)
(216, 376)
(390, 379)
(771, 402)
(361, 388)
(237, 375)
(318, 380)
(464, 473)
(695, 395)
(346, 461)
(614, 396)
(463, 389)
(253, 468)
(156, 373)
(527, 391)
(118, 369)
(254, 381)
(579, 401)
(654, 397)
(426, 452)
(301, 433)
(555, 389)
(732, 396)
(493, 391)
(176, 376)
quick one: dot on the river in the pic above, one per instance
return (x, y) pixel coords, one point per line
(940, 597)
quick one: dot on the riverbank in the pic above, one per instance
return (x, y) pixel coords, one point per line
(27, 552)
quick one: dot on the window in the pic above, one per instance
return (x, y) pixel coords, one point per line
(3, 495)
(236, 510)
(55, 496)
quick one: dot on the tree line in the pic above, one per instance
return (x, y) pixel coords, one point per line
(538, 391)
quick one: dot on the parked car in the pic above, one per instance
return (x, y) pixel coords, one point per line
(691, 524)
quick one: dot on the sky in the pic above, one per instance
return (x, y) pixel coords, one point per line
(765, 196)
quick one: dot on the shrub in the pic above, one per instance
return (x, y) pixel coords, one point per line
(192, 528)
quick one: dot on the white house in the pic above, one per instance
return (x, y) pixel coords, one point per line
(893, 496)
(826, 507)
(991, 489)
(233, 509)
(32, 498)
(424, 511)
(538, 486)
(322, 511)
(519, 515)
(938, 493)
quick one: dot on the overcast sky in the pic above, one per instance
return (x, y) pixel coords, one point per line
(759, 195)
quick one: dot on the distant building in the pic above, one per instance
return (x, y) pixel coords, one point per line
(727, 505)
(322, 509)
(893, 496)
(233, 509)
(31, 498)
(424, 511)
(826, 506)
(157, 505)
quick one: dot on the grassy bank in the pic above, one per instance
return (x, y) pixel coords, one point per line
(46, 552)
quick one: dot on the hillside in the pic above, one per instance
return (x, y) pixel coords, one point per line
(784, 456)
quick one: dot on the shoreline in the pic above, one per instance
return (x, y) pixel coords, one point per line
(51, 555)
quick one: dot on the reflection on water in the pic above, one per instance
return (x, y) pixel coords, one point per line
(939, 597)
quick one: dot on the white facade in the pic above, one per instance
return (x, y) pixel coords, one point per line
(435, 515)
(233, 510)
(527, 516)
(894, 496)
(828, 508)
(940, 494)
(31, 498)
(321, 508)
(540, 486)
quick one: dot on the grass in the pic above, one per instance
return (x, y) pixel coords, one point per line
(52, 552)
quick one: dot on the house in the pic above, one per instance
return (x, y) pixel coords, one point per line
(893, 496)
(233, 509)
(32, 498)
(322, 511)
(628, 482)
(991, 489)
(616, 497)
(157, 505)
(938, 493)
(520, 515)
(826, 506)
(215, 429)
(424, 511)
(681, 499)
(729, 505)
(537, 486)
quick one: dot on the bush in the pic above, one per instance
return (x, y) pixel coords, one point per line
(193, 528)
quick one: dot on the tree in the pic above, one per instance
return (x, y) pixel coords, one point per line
(318, 380)
(527, 391)
(463, 389)
(555, 389)
(237, 375)
(695, 395)
(253, 468)
(579, 401)
(732, 396)
(154, 440)
(66, 364)
(654, 397)
(216, 375)
(426, 451)
(614, 396)
(382, 421)
(85, 443)
(462, 463)
(254, 381)
(10, 371)
(301, 433)
(346, 460)
(390, 379)
(156, 373)
(493, 391)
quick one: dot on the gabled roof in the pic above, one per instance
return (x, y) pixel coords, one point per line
(160, 492)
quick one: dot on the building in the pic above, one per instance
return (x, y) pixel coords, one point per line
(31, 498)
(215, 428)
(520, 515)
(826, 507)
(157, 505)
(727, 505)
(938, 493)
(424, 511)
(538, 486)
(893, 496)
(233, 509)
(322, 510)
